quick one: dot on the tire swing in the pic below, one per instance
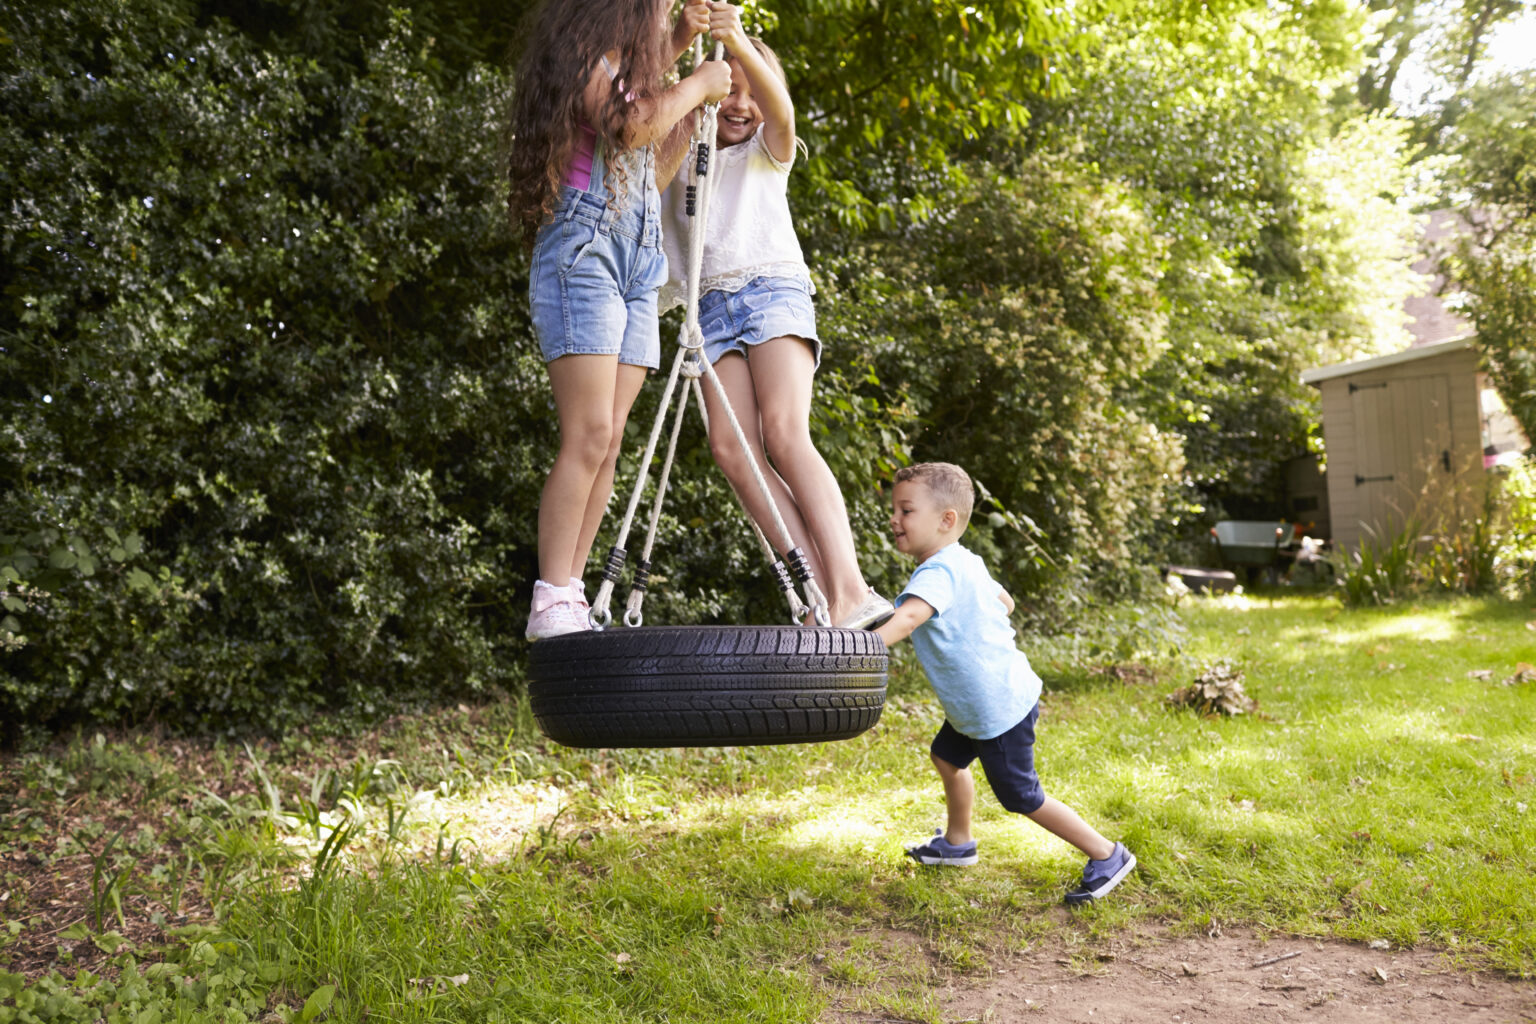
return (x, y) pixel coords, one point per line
(701, 686)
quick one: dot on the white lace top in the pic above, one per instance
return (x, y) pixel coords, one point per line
(750, 233)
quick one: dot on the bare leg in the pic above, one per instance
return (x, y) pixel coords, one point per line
(782, 372)
(630, 380)
(959, 798)
(737, 379)
(1063, 822)
(585, 389)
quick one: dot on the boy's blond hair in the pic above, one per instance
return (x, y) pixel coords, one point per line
(947, 482)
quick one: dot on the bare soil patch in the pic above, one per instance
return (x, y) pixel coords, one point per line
(1234, 976)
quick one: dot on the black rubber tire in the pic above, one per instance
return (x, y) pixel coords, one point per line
(707, 686)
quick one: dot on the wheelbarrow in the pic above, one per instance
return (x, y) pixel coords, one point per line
(1251, 545)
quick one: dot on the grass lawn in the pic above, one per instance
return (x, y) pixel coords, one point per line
(453, 868)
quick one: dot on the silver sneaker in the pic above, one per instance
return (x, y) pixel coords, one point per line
(872, 613)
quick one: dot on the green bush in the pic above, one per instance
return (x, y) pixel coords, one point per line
(265, 375)
(273, 424)
(1012, 329)
(1516, 565)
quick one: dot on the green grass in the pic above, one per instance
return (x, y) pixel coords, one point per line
(1380, 793)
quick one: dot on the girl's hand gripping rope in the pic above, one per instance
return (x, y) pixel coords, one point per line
(724, 24)
(692, 20)
(713, 78)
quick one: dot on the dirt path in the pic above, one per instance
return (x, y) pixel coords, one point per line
(1158, 977)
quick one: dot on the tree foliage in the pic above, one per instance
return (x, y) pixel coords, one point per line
(1495, 143)
(1014, 325)
(1284, 249)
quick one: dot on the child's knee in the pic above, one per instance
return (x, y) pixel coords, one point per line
(1024, 795)
(786, 437)
(589, 441)
(729, 456)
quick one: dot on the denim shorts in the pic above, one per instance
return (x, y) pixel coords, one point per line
(767, 308)
(594, 279)
(1009, 761)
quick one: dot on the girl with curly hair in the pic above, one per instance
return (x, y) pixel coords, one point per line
(590, 102)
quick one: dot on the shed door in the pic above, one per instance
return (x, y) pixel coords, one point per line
(1402, 450)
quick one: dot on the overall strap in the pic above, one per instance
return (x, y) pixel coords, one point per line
(597, 182)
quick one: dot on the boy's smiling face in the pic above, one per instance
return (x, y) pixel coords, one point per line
(919, 526)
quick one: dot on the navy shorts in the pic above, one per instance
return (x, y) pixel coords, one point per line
(1009, 761)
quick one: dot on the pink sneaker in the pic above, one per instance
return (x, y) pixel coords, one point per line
(554, 613)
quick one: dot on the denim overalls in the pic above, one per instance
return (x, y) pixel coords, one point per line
(597, 268)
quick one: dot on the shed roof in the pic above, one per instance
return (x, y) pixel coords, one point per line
(1321, 373)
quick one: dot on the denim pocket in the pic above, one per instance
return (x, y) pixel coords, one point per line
(576, 242)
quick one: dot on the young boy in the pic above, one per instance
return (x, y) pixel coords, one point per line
(957, 617)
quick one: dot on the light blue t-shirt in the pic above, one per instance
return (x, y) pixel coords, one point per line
(981, 677)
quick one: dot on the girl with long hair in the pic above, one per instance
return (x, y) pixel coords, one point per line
(590, 101)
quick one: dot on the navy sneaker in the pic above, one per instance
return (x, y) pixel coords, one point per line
(939, 851)
(1100, 876)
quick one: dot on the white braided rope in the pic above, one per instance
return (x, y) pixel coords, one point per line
(704, 133)
(599, 615)
(632, 613)
(813, 595)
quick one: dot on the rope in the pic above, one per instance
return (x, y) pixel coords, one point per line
(813, 595)
(599, 615)
(797, 607)
(690, 351)
(632, 613)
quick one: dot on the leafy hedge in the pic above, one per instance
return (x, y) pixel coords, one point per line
(264, 378)
(1015, 327)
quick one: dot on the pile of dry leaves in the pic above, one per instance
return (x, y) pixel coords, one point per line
(1216, 691)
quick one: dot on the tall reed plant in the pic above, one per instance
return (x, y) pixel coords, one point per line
(1382, 570)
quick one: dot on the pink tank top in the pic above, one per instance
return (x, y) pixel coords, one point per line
(579, 174)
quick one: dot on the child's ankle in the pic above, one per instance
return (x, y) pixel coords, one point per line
(1108, 853)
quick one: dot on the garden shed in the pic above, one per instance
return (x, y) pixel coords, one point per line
(1403, 433)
